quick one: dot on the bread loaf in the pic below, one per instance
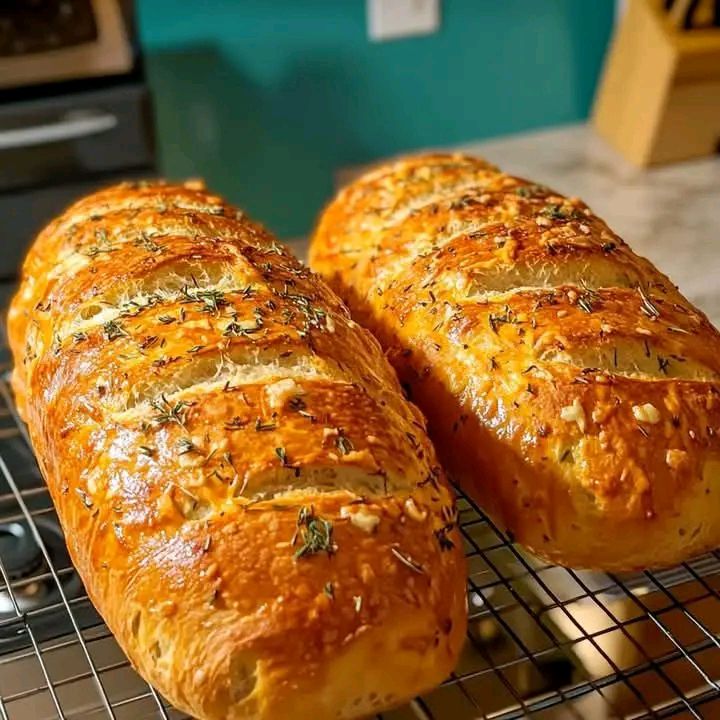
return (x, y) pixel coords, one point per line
(252, 505)
(569, 387)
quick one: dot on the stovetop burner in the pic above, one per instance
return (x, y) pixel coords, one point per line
(35, 580)
(21, 554)
(33, 584)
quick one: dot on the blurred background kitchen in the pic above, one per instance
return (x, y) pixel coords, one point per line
(269, 99)
(276, 103)
(272, 102)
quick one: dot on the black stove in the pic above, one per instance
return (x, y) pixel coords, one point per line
(59, 140)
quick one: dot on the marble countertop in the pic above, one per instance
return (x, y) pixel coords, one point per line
(670, 214)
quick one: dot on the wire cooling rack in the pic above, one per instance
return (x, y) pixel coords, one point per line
(543, 642)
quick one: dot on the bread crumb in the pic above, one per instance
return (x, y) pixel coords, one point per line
(278, 392)
(91, 485)
(167, 608)
(413, 511)
(574, 413)
(646, 413)
(543, 221)
(675, 458)
(600, 413)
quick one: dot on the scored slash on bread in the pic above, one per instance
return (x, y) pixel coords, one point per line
(252, 505)
(569, 387)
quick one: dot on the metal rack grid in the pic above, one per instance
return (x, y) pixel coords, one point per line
(543, 642)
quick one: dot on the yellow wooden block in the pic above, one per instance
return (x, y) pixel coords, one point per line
(659, 96)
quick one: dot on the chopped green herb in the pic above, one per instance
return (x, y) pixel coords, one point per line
(102, 245)
(529, 191)
(185, 445)
(296, 403)
(314, 533)
(212, 300)
(555, 211)
(235, 328)
(168, 412)
(442, 537)
(508, 317)
(113, 330)
(148, 243)
(647, 305)
(236, 423)
(149, 341)
(585, 304)
(343, 444)
(407, 561)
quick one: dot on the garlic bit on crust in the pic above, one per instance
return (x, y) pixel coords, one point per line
(361, 518)
(574, 413)
(646, 413)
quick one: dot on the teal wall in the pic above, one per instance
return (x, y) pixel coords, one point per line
(267, 98)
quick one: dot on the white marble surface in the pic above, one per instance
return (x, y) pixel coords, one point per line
(670, 214)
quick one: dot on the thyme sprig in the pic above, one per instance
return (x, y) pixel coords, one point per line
(168, 412)
(406, 560)
(343, 443)
(148, 243)
(210, 299)
(102, 245)
(314, 533)
(113, 330)
(647, 305)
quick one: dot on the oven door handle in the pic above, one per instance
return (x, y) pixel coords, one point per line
(73, 126)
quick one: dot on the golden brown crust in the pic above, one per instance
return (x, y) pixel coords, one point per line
(569, 387)
(252, 505)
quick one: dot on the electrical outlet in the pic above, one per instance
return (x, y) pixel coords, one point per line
(391, 19)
